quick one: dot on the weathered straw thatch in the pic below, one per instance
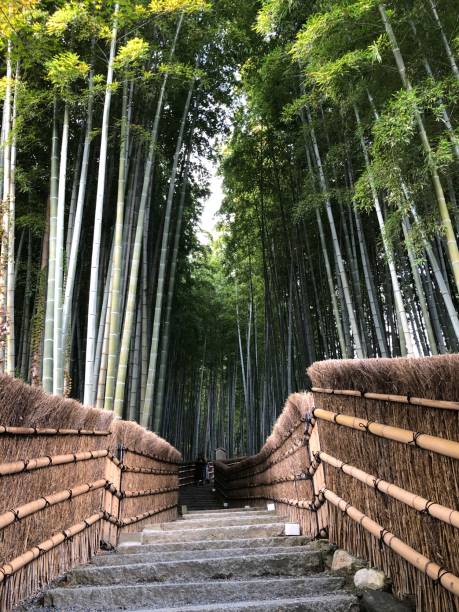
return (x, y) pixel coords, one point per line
(279, 472)
(425, 473)
(22, 406)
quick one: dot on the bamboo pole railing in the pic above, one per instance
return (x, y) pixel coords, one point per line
(442, 446)
(29, 465)
(45, 431)
(152, 471)
(388, 397)
(421, 504)
(434, 571)
(12, 567)
(410, 464)
(145, 493)
(20, 513)
(153, 456)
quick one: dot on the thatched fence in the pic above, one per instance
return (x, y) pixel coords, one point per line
(71, 480)
(371, 456)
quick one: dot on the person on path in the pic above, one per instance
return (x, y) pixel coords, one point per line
(201, 471)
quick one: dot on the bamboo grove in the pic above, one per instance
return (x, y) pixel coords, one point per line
(341, 177)
(108, 109)
(335, 124)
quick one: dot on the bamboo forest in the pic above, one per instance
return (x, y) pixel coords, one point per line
(333, 126)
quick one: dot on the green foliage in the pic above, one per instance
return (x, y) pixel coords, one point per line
(186, 6)
(64, 69)
(181, 71)
(132, 54)
(71, 17)
(397, 125)
(32, 221)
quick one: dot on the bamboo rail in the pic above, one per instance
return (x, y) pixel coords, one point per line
(141, 470)
(386, 397)
(17, 514)
(144, 493)
(434, 571)
(135, 519)
(298, 446)
(41, 431)
(305, 504)
(441, 446)
(442, 513)
(153, 456)
(307, 475)
(278, 446)
(10, 568)
(28, 465)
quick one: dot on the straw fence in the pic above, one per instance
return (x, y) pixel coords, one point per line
(280, 473)
(381, 444)
(71, 480)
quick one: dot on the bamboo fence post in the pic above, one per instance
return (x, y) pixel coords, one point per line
(111, 502)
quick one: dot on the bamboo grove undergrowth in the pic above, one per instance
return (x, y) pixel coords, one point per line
(335, 124)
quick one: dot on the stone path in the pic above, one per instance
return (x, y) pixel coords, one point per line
(196, 497)
(221, 560)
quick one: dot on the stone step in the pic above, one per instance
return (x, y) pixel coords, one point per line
(340, 602)
(200, 508)
(191, 518)
(193, 515)
(214, 533)
(200, 545)
(230, 510)
(179, 595)
(183, 555)
(214, 522)
(292, 563)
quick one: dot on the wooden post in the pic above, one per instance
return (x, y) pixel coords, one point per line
(318, 480)
(111, 502)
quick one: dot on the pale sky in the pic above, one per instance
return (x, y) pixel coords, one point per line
(212, 205)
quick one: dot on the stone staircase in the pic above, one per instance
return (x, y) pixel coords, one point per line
(196, 497)
(224, 560)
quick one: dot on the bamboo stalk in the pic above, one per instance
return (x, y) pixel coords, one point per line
(39, 431)
(144, 493)
(446, 579)
(442, 446)
(442, 513)
(10, 568)
(400, 399)
(29, 465)
(17, 514)
(136, 519)
(159, 472)
(153, 456)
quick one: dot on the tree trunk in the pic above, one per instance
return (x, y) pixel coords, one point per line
(58, 357)
(77, 223)
(453, 250)
(171, 289)
(115, 295)
(342, 272)
(48, 349)
(99, 209)
(401, 312)
(147, 409)
(135, 263)
(11, 268)
(449, 51)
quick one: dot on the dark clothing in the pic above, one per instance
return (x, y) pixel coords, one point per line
(200, 471)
